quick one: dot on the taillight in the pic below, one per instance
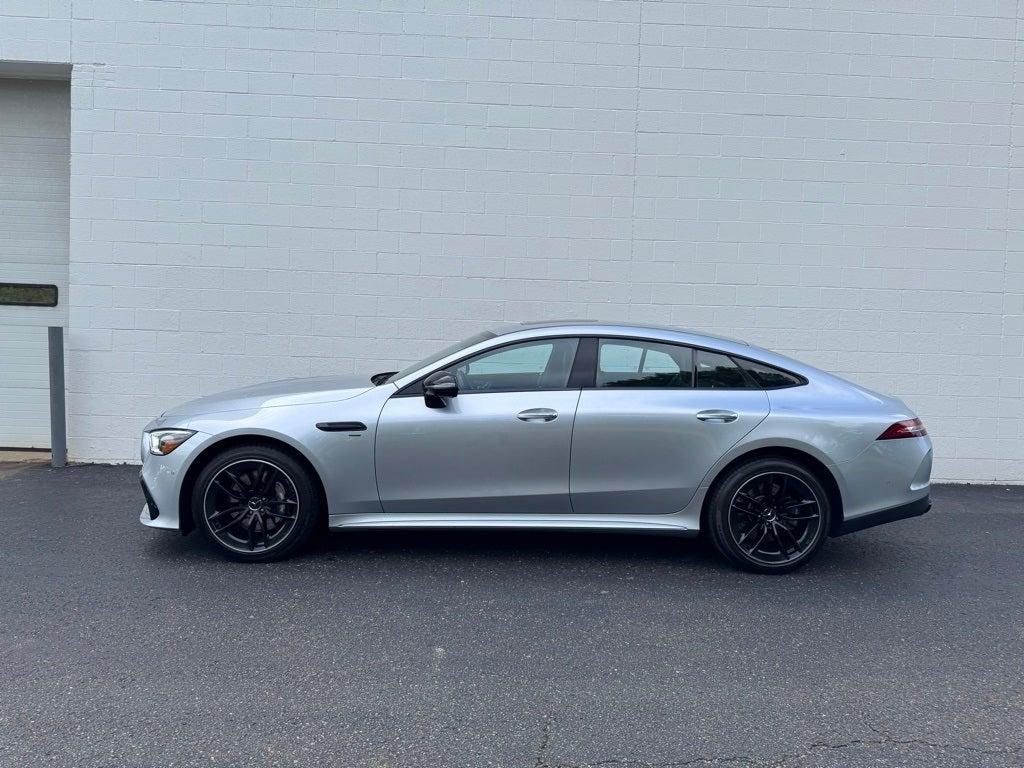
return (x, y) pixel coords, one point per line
(907, 428)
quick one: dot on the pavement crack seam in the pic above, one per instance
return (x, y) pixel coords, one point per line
(884, 739)
(545, 739)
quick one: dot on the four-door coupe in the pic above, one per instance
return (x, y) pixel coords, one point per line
(564, 425)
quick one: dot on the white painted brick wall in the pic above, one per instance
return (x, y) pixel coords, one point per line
(292, 188)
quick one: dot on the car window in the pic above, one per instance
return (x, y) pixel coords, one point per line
(715, 371)
(769, 377)
(449, 350)
(544, 364)
(627, 363)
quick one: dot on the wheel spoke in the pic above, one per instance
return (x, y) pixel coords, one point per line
(778, 540)
(757, 544)
(750, 530)
(286, 502)
(230, 492)
(268, 481)
(279, 515)
(235, 508)
(236, 479)
(789, 533)
(780, 494)
(804, 503)
(814, 516)
(230, 523)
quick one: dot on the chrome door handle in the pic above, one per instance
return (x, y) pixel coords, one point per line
(717, 417)
(537, 414)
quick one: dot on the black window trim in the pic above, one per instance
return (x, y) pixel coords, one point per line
(584, 365)
(415, 388)
(583, 374)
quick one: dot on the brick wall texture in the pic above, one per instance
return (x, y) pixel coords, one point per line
(284, 189)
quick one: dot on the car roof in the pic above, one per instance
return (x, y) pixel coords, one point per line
(614, 328)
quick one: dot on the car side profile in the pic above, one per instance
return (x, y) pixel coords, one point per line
(559, 425)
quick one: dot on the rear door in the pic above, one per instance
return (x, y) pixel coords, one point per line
(656, 420)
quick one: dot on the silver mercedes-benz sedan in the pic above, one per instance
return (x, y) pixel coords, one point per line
(572, 424)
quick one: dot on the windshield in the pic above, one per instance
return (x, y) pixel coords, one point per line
(449, 350)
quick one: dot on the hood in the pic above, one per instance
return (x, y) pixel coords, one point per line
(321, 389)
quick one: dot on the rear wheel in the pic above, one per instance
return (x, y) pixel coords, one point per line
(769, 515)
(256, 503)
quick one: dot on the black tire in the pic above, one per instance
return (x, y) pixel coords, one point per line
(777, 504)
(256, 503)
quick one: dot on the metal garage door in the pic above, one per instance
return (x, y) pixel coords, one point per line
(34, 220)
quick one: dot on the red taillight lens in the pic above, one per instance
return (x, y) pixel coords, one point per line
(908, 428)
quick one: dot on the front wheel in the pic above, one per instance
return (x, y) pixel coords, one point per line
(769, 515)
(256, 503)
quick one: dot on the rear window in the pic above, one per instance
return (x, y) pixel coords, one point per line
(646, 364)
(715, 371)
(769, 377)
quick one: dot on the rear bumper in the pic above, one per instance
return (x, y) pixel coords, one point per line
(882, 516)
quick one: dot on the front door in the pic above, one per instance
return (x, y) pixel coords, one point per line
(501, 446)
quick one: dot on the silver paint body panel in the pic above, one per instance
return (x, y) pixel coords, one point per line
(475, 455)
(645, 452)
(637, 459)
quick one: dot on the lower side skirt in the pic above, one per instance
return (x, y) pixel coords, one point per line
(566, 522)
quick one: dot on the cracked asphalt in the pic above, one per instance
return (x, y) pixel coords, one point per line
(122, 646)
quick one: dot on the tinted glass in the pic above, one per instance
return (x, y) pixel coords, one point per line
(449, 350)
(716, 371)
(768, 377)
(624, 363)
(542, 364)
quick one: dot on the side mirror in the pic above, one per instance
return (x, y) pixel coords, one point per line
(438, 385)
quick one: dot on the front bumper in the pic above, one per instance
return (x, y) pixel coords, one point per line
(161, 478)
(147, 519)
(151, 515)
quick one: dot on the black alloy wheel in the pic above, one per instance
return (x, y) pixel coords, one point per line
(769, 516)
(774, 517)
(255, 503)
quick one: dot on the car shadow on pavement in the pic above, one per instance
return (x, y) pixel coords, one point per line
(850, 556)
(469, 544)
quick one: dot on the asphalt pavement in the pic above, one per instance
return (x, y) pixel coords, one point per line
(123, 646)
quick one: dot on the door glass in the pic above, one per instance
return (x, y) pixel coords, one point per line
(532, 365)
(626, 363)
(716, 371)
(449, 350)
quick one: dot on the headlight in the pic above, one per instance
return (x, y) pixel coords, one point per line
(163, 441)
